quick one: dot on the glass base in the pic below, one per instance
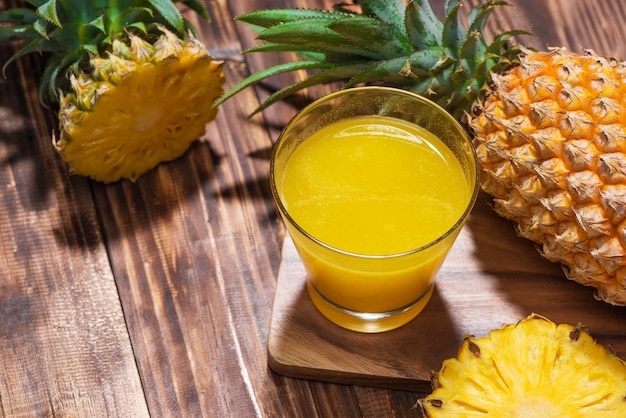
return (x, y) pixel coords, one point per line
(367, 322)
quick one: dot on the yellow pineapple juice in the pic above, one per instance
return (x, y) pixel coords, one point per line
(373, 203)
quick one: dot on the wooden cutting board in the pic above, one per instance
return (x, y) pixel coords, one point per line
(491, 277)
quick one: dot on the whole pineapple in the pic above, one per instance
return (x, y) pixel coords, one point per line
(534, 368)
(549, 127)
(133, 84)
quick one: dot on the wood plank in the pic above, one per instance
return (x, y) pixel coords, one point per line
(64, 348)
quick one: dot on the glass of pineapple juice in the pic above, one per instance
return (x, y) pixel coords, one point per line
(373, 185)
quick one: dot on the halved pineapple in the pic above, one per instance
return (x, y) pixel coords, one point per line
(531, 369)
(142, 105)
(134, 85)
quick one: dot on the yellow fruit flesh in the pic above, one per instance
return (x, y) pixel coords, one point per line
(550, 139)
(532, 369)
(151, 113)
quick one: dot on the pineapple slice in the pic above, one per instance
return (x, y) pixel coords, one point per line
(534, 368)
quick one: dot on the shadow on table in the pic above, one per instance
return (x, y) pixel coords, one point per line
(23, 160)
(127, 208)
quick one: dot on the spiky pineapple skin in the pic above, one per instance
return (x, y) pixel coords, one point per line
(534, 368)
(550, 137)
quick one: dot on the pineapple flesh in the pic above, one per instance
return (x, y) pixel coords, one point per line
(142, 105)
(534, 368)
(549, 126)
(133, 84)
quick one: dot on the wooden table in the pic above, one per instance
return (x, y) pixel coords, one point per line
(155, 298)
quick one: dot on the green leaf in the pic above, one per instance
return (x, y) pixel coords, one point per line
(483, 73)
(56, 70)
(451, 4)
(98, 23)
(140, 26)
(272, 47)
(423, 28)
(18, 16)
(422, 87)
(189, 27)
(388, 70)
(453, 31)
(269, 72)
(80, 11)
(89, 37)
(48, 80)
(270, 17)
(170, 13)
(125, 18)
(499, 43)
(478, 16)
(443, 64)
(313, 35)
(67, 39)
(16, 33)
(459, 77)
(390, 11)
(36, 45)
(307, 55)
(115, 8)
(35, 3)
(472, 53)
(426, 61)
(41, 27)
(48, 12)
(334, 73)
(197, 7)
(373, 34)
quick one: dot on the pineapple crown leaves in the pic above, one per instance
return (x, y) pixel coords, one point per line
(71, 31)
(386, 42)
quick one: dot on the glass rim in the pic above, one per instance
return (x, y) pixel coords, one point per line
(285, 213)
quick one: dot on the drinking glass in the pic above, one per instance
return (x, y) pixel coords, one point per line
(362, 290)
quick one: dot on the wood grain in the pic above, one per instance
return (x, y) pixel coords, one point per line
(155, 298)
(64, 346)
